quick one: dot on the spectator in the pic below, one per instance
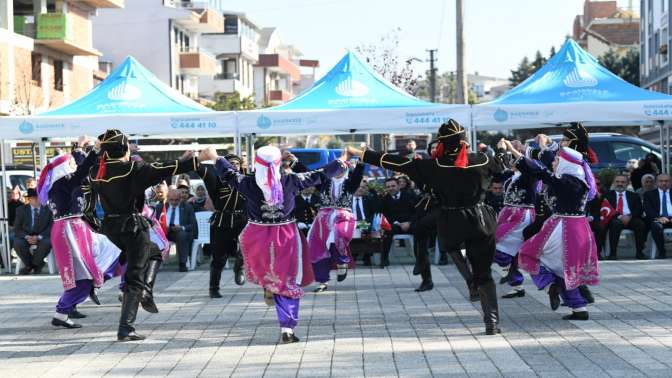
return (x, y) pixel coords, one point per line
(495, 195)
(31, 183)
(306, 208)
(185, 190)
(201, 201)
(410, 153)
(160, 194)
(631, 165)
(648, 183)
(32, 229)
(658, 210)
(484, 148)
(407, 186)
(181, 226)
(291, 163)
(13, 203)
(398, 208)
(628, 216)
(649, 165)
(363, 209)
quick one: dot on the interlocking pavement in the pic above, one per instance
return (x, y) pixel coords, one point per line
(372, 324)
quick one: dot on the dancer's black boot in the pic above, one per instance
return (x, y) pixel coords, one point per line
(215, 277)
(147, 299)
(488, 294)
(129, 311)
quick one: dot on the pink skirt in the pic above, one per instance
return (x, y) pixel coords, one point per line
(276, 258)
(566, 246)
(510, 225)
(80, 253)
(331, 225)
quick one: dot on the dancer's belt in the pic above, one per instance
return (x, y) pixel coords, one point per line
(67, 216)
(521, 205)
(569, 215)
(118, 215)
(456, 208)
(262, 223)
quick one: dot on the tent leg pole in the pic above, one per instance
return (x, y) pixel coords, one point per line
(4, 223)
(667, 148)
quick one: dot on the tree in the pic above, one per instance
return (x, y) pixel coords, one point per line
(232, 101)
(538, 62)
(446, 85)
(523, 71)
(384, 58)
(626, 66)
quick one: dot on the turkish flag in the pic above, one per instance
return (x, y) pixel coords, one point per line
(606, 213)
(384, 224)
(162, 220)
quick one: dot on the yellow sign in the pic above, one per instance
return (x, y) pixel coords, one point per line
(24, 155)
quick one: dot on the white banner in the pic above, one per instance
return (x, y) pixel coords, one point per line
(346, 121)
(197, 124)
(506, 117)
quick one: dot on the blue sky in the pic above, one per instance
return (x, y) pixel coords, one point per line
(499, 33)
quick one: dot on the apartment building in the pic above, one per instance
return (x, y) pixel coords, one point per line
(281, 73)
(47, 57)
(236, 50)
(165, 36)
(604, 26)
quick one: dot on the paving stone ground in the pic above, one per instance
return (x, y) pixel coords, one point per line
(372, 325)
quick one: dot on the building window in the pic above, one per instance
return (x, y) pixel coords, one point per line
(58, 75)
(230, 24)
(36, 68)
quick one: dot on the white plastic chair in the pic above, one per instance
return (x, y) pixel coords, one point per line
(51, 263)
(203, 224)
(409, 246)
(627, 234)
(667, 234)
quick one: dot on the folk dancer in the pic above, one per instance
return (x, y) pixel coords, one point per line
(457, 178)
(274, 251)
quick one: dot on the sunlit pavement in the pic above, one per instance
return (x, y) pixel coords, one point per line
(372, 324)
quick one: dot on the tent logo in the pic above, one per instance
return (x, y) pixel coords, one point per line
(579, 79)
(124, 92)
(26, 127)
(501, 115)
(264, 122)
(352, 88)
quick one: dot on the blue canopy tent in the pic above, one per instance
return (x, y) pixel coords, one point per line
(130, 98)
(572, 86)
(350, 98)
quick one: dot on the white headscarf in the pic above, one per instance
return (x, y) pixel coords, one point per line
(267, 174)
(569, 163)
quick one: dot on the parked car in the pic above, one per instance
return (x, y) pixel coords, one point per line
(613, 150)
(16, 175)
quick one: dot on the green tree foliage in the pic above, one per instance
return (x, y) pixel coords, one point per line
(526, 68)
(232, 101)
(626, 66)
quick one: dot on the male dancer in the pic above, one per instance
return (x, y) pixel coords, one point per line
(329, 236)
(518, 213)
(457, 178)
(85, 259)
(120, 185)
(275, 252)
(226, 223)
(563, 255)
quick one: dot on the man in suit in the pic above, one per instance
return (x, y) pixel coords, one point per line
(32, 228)
(399, 209)
(628, 216)
(181, 226)
(363, 209)
(658, 209)
(306, 208)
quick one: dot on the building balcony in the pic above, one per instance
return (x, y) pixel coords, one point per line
(103, 3)
(278, 63)
(231, 45)
(194, 61)
(279, 96)
(58, 31)
(200, 18)
(223, 83)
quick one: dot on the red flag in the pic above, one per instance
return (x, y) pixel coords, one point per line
(606, 213)
(384, 224)
(162, 220)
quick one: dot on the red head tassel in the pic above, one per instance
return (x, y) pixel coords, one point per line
(461, 161)
(101, 168)
(438, 151)
(592, 156)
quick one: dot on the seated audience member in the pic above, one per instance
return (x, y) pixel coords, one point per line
(628, 216)
(407, 186)
(201, 201)
(13, 203)
(306, 206)
(658, 210)
(160, 195)
(398, 208)
(649, 165)
(32, 234)
(648, 183)
(181, 226)
(31, 183)
(185, 190)
(495, 195)
(363, 209)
